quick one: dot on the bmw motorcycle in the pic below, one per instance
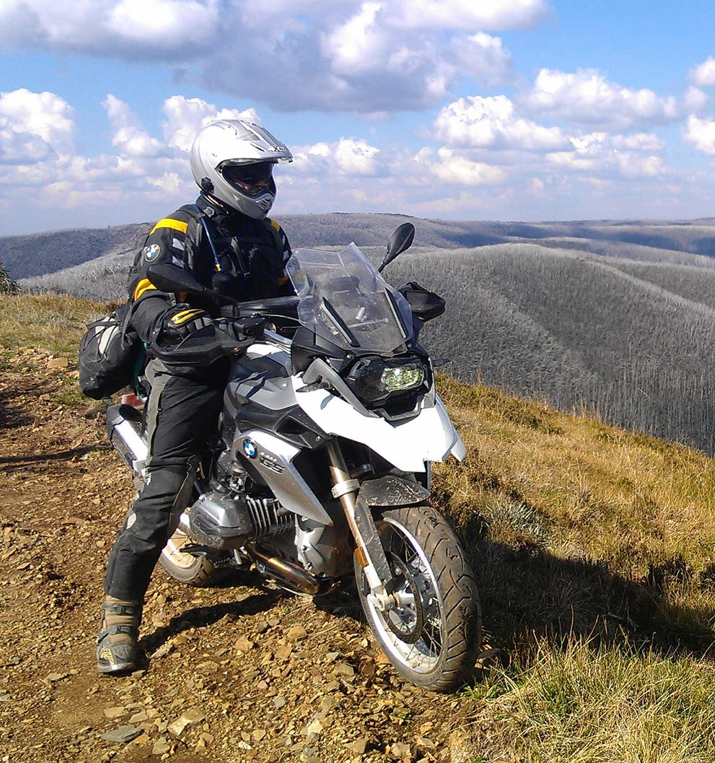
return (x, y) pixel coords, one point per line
(321, 469)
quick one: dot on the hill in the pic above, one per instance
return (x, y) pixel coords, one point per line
(614, 318)
(40, 253)
(631, 342)
(43, 253)
(594, 550)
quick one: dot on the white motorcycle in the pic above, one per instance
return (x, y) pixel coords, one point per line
(322, 466)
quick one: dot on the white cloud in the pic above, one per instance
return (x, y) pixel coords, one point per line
(695, 101)
(700, 133)
(634, 165)
(641, 141)
(472, 15)
(126, 28)
(356, 157)
(629, 156)
(454, 168)
(164, 23)
(483, 57)
(703, 75)
(34, 127)
(293, 54)
(358, 45)
(347, 156)
(490, 123)
(587, 97)
(128, 134)
(186, 116)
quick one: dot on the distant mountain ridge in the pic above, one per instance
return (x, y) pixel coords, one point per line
(42, 253)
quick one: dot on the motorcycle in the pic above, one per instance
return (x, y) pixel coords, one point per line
(321, 470)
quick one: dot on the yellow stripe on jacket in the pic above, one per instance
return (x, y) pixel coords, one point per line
(144, 285)
(167, 222)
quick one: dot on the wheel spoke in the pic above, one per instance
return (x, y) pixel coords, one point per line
(418, 636)
(417, 584)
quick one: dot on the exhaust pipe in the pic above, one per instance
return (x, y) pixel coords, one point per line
(124, 426)
(289, 576)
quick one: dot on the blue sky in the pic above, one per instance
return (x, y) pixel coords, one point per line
(458, 109)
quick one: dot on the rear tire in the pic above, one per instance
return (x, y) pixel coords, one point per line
(186, 568)
(433, 637)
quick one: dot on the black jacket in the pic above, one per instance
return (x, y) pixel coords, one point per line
(228, 252)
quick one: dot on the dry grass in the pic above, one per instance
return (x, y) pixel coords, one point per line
(586, 705)
(595, 552)
(50, 321)
(34, 328)
(575, 525)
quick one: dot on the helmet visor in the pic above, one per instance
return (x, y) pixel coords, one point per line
(251, 179)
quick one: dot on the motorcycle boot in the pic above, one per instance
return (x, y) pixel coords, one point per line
(117, 650)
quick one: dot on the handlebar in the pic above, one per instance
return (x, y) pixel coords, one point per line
(275, 307)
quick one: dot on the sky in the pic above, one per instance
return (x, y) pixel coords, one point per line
(445, 109)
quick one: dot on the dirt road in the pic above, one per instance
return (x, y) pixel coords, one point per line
(232, 673)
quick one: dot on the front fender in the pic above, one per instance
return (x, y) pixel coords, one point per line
(392, 490)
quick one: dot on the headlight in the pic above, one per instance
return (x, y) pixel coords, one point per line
(400, 378)
(375, 379)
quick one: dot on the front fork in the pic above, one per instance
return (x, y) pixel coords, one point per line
(370, 552)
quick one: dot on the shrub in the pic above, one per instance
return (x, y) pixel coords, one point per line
(7, 285)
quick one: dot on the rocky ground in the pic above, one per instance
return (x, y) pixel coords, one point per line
(232, 673)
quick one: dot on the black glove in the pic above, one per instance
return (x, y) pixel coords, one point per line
(180, 322)
(242, 330)
(191, 337)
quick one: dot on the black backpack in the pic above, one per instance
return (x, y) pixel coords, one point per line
(109, 355)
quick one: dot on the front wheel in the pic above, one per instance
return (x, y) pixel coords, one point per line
(433, 632)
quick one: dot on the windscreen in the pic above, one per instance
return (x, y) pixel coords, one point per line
(344, 300)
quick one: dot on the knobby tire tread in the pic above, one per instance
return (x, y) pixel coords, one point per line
(457, 590)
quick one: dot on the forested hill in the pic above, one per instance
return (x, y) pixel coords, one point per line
(42, 253)
(631, 341)
(617, 319)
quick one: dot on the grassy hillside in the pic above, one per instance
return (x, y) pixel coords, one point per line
(595, 553)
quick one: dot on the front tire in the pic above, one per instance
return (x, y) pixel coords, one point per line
(433, 635)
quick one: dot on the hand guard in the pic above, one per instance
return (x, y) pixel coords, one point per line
(208, 340)
(180, 322)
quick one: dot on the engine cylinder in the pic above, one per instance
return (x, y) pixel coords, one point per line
(226, 522)
(220, 521)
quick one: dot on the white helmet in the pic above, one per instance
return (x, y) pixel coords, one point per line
(232, 160)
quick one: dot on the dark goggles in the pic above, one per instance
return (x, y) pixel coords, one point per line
(248, 174)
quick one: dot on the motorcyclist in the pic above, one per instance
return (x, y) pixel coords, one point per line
(227, 242)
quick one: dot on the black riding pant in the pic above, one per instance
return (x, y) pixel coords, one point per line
(182, 416)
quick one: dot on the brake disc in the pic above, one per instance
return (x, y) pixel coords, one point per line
(396, 618)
